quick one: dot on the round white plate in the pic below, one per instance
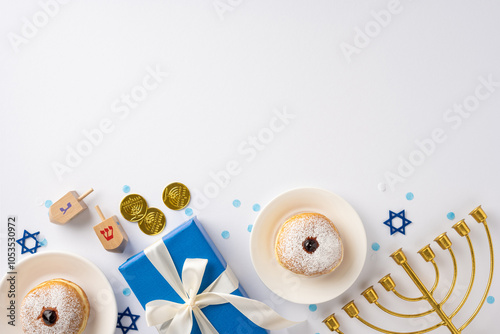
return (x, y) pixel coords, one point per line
(297, 288)
(35, 269)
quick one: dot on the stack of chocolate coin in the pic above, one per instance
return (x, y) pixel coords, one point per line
(134, 208)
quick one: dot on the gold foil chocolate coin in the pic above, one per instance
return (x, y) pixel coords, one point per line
(176, 196)
(153, 222)
(133, 207)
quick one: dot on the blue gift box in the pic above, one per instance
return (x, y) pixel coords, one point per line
(189, 240)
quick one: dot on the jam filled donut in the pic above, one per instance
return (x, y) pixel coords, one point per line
(55, 307)
(309, 244)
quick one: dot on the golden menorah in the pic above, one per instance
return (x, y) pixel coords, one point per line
(427, 294)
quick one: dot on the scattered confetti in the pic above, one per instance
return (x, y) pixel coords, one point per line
(188, 212)
(48, 203)
(405, 222)
(24, 239)
(133, 319)
(313, 307)
(225, 234)
(382, 187)
(236, 203)
(127, 291)
(249, 228)
(126, 189)
(410, 196)
(256, 207)
(375, 246)
(450, 215)
(43, 243)
(490, 300)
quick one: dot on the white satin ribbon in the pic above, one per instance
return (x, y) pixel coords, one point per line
(175, 318)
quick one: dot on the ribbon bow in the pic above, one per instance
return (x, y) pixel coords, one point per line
(175, 318)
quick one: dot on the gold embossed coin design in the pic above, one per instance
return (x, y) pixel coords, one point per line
(153, 222)
(176, 196)
(133, 207)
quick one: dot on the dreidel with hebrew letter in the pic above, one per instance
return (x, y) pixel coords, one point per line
(68, 207)
(110, 233)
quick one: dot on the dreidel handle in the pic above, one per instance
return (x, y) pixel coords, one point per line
(99, 212)
(86, 194)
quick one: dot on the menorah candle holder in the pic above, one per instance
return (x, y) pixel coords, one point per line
(428, 255)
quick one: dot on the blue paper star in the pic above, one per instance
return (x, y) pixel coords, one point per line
(401, 215)
(22, 242)
(133, 319)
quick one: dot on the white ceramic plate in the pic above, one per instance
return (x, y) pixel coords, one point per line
(35, 269)
(297, 288)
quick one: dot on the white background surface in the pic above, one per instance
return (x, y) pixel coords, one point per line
(352, 123)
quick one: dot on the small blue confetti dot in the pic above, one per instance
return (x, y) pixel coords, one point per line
(126, 189)
(43, 242)
(313, 307)
(410, 196)
(450, 215)
(375, 246)
(188, 211)
(490, 300)
(256, 207)
(48, 203)
(236, 203)
(127, 292)
(225, 234)
(249, 228)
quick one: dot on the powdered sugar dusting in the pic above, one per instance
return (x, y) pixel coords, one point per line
(55, 295)
(295, 231)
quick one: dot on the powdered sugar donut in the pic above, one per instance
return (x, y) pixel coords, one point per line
(309, 244)
(55, 307)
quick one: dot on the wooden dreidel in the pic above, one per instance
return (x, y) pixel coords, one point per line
(110, 233)
(68, 207)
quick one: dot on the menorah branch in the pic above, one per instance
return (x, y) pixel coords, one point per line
(454, 281)
(371, 296)
(401, 315)
(428, 255)
(390, 332)
(481, 218)
(436, 280)
(408, 299)
(472, 277)
(389, 285)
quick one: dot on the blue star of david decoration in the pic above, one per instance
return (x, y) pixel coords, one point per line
(133, 319)
(401, 215)
(22, 242)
